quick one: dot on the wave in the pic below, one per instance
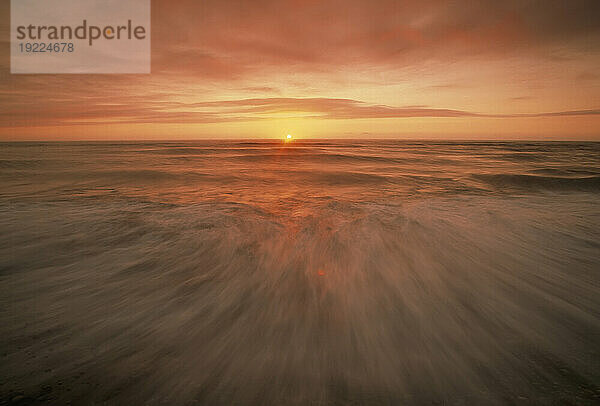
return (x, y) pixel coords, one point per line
(21, 163)
(230, 168)
(533, 182)
(139, 176)
(333, 178)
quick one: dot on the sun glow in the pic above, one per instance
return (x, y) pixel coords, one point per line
(288, 138)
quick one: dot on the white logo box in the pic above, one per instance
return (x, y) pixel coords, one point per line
(54, 36)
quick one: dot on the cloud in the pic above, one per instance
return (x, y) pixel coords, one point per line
(588, 76)
(326, 108)
(160, 111)
(236, 37)
(228, 40)
(551, 114)
(322, 57)
(520, 98)
(262, 89)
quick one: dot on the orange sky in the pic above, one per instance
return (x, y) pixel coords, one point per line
(402, 69)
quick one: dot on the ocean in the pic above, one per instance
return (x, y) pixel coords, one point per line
(305, 273)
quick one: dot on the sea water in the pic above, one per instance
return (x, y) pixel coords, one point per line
(311, 272)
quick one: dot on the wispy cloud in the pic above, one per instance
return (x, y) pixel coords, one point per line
(157, 111)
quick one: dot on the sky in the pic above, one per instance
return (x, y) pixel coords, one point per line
(425, 69)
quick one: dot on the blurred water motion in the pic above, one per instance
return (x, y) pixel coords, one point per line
(324, 273)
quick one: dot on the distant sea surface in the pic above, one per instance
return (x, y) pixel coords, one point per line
(308, 273)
